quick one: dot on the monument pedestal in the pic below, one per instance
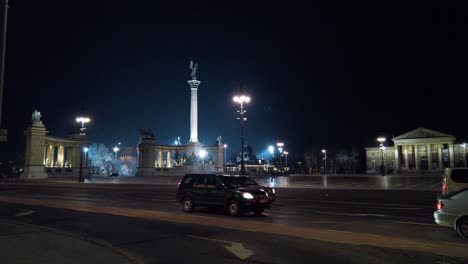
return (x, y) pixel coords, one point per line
(34, 172)
(34, 157)
(193, 148)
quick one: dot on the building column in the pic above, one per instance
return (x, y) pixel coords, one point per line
(397, 158)
(69, 154)
(439, 148)
(60, 154)
(406, 157)
(416, 157)
(429, 156)
(50, 155)
(168, 159)
(452, 159)
(160, 161)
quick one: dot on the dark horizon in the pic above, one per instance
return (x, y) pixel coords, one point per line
(332, 75)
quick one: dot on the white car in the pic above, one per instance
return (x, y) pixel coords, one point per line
(452, 211)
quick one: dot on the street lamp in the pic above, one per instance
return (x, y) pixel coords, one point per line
(280, 146)
(286, 154)
(116, 149)
(464, 154)
(86, 149)
(324, 151)
(83, 120)
(241, 100)
(2, 64)
(382, 148)
(225, 147)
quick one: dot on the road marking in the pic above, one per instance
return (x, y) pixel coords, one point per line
(410, 223)
(331, 213)
(25, 212)
(391, 208)
(235, 248)
(356, 203)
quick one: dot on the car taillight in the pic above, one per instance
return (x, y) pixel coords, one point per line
(180, 181)
(440, 205)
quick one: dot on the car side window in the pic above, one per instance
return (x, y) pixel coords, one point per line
(187, 180)
(460, 176)
(199, 181)
(210, 181)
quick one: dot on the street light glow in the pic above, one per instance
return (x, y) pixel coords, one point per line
(116, 149)
(83, 120)
(241, 99)
(271, 149)
(202, 153)
(381, 139)
(225, 145)
(324, 151)
(85, 149)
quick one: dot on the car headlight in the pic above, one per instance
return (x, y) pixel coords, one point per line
(247, 195)
(273, 191)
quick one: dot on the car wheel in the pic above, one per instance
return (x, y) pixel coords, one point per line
(187, 205)
(462, 227)
(258, 211)
(234, 208)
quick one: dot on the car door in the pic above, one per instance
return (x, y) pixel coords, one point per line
(199, 190)
(215, 193)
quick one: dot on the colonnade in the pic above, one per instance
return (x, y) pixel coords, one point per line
(411, 154)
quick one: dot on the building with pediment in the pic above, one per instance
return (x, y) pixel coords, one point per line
(418, 150)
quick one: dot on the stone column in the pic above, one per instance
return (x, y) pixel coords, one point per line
(194, 110)
(68, 155)
(416, 156)
(160, 161)
(429, 156)
(50, 155)
(60, 156)
(397, 158)
(168, 159)
(146, 157)
(34, 155)
(76, 155)
(439, 148)
(452, 159)
(406, 157)
(219, 162)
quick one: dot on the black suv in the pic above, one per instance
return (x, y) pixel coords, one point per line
(236, 194)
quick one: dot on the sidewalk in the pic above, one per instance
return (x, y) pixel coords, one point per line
(23, 243)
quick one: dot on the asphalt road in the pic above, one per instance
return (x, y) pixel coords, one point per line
(304, 225)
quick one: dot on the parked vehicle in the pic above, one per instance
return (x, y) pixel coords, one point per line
(454, 180)
(8, 169)
(236, 194)
(452, 211)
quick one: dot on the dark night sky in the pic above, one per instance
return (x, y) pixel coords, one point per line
(329, 74)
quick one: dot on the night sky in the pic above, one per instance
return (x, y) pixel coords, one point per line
(326, 74)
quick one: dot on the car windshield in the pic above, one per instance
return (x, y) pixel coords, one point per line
(238, 181)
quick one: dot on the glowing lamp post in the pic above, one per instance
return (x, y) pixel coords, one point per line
(86, 149)
(324, 151)
(382, 148)
(116, 149)
(83, 121)
(241, 100)
(286, 155)
(225, 147)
